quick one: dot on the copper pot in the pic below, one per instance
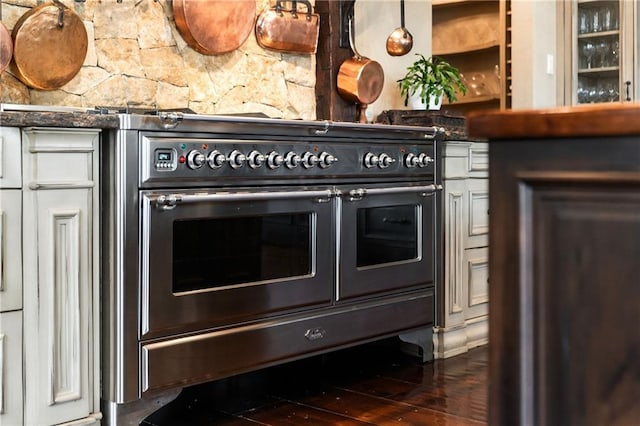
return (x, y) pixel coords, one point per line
(360, 79)
(213, 27)
(50, 45)
(6, 44)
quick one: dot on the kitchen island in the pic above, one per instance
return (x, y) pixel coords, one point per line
(565, 239)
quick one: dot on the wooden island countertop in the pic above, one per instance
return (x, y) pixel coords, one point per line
(580, 121)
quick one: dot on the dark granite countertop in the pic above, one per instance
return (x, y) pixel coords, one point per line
(452, 123)
(57, 119)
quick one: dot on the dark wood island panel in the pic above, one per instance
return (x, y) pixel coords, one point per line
(564, 265)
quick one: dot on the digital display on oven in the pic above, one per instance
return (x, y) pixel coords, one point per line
(165, 156)
(165, 159)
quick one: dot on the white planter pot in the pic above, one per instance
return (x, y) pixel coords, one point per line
(416, 103)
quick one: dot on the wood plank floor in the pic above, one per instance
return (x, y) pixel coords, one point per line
(373, 384)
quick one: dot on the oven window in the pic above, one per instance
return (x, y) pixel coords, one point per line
(218, 252)
(387, 234)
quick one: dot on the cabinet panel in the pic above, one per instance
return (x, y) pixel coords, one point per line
(583, 239)
(10, 163)
(57, 305)
(477, 279)
(10, 249)
(478, 205)
(60, 285)
(11, 368)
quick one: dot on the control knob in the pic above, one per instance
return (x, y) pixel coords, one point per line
(216, 159)
(255, 159)
(325, 160)
(411, 160)
(309, 160)
(195, 159)
(274, 160)
(385, 161)
(424, 160)
(291, 160)
(236, 159)
(371, 160)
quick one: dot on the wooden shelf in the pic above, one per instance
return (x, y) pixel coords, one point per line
(457, 50)
(475, 99)
(474, 37)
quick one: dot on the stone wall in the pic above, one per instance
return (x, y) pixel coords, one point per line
(136, 55)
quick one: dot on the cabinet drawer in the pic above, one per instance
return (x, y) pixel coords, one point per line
(478, 158)
(10, 162)
(478, 204)
(476, 275)
(11, 368)
(50, 151)
(10, 249)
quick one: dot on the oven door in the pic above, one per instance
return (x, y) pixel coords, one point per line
(386, 239)
(226, 257)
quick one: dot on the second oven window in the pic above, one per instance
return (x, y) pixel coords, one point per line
(218, 252)
(387, 234)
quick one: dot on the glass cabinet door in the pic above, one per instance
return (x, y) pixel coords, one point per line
(600, 61)
(598, 27)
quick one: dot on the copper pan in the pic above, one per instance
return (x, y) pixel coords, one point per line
(360, 79)
(50, 45)
(213, 27)
(6, 45)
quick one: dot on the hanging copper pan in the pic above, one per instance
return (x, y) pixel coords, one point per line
(6, 45)
(360, 80)
(50, 45)
(213, 27)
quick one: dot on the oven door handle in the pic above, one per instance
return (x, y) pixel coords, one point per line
(423, 191)
(170, 201)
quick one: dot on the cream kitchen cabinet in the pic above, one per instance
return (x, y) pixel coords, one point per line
(10, 278)
(59, 322)
(463, 317)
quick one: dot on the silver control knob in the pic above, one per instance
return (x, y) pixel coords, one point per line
(326, 160)
(371, 160)
(255, 159)
(309, 160)
(195, 159)
(385, 161)
(291, 160)
(274, 160)
(216, 159)
(424, 160)
(236, 159)
(411, 160)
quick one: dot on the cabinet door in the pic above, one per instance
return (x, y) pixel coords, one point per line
(603, 51)
(10, 164)
(60, 218)
(477, 232)
(476, 278)
(11, 368)
(10, 250)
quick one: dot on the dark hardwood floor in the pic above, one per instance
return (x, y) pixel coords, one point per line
(373, 384)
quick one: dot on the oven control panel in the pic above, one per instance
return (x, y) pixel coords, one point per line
(166, 159)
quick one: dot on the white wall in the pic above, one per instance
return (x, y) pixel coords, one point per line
(534, 40)
(374, 21)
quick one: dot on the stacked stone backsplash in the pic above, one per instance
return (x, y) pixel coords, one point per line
(136, 55)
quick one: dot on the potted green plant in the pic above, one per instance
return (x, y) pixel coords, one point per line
(431, 79)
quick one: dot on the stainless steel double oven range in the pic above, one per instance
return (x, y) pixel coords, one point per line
(235, 243)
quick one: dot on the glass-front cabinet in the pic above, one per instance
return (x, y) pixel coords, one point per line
(603, 35)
